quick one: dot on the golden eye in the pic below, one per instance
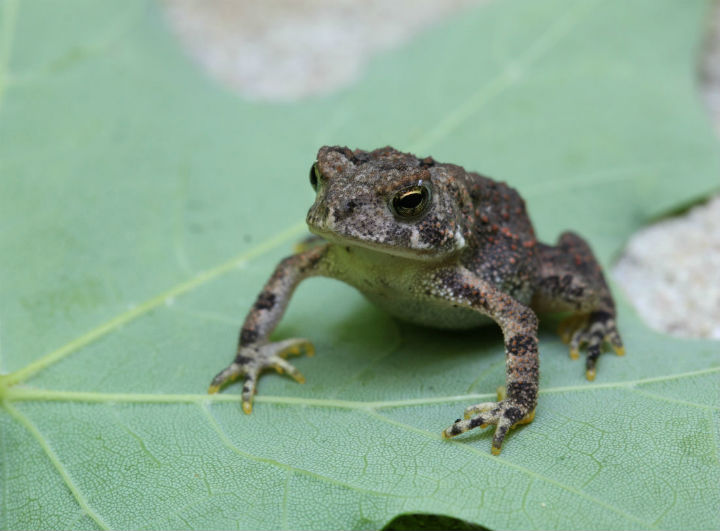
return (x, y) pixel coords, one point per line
(412, 201)
(314, 175)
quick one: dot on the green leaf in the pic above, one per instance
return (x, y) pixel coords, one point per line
(142, 207)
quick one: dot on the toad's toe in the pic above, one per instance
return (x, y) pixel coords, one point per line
(591, 331)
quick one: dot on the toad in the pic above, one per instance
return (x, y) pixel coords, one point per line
(435, 245)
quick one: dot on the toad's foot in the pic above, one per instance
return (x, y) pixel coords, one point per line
(505, 414)
(593, 330)
(254, 359)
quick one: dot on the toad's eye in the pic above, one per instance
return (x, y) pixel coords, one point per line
(412, 201)
(314, 176)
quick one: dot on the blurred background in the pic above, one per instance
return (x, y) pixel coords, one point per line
(151, 179)
(288, 50)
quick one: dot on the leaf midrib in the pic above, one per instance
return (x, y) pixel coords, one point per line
(31, 394)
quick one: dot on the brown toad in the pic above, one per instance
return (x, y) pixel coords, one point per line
(436, 245)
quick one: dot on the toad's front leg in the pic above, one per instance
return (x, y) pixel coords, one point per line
(254, 353)
(519, 327)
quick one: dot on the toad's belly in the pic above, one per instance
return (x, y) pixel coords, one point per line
(436, 314)
(395, 284)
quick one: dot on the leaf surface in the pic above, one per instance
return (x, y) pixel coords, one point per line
(142, 208)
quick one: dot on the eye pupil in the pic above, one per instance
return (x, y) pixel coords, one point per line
(410, 199)
(411, 202)
(314, 176)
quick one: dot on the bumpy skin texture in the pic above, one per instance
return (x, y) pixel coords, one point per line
(436, 245)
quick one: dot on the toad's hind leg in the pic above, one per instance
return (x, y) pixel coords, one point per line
(571, 279)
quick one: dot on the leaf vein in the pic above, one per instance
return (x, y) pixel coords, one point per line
(55, 460)
(714, 434)
(503, 80)
(9, 21)
(150, 304)
(212, 421)
(510, 464)
(672, 400)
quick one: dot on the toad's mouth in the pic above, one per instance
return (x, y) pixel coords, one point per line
(426, 254)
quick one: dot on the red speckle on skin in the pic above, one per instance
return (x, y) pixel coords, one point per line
(529, 243)
(507, 232)
(512, 259)
(484, 218)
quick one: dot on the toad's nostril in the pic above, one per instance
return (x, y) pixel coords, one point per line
(322, 214)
